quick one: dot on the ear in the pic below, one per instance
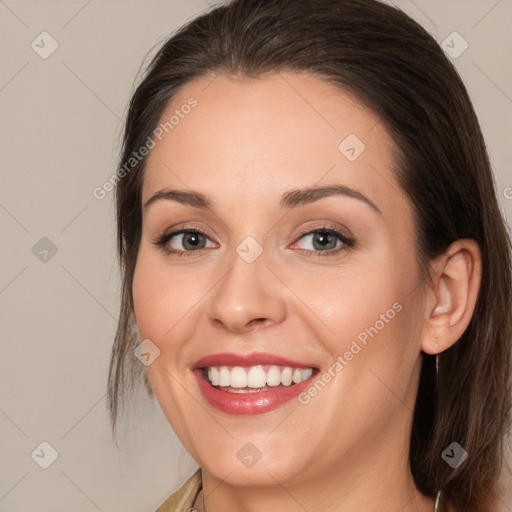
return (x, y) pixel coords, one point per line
(450, 302)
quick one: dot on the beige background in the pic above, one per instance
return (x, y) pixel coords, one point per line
(60, 133)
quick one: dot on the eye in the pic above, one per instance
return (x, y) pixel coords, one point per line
(183, 241)
(325, 241)
(322, 241)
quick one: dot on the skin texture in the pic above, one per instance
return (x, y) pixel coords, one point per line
(246, 143)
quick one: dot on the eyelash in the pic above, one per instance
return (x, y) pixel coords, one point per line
(348, 242)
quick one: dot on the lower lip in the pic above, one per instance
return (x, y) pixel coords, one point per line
(248, 403)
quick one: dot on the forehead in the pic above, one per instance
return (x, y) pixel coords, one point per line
(224, 134)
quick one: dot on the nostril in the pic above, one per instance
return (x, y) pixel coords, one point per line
(258, 321)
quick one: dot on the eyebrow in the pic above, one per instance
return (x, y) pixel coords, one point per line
(290, 199)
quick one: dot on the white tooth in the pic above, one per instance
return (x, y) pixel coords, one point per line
(274, 376)
(287, 376)
(256, 378)
(238, 377)
(297, 375)
(224, 376)
(213, 376)
(306, 374)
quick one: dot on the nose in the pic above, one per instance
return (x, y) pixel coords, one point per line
(248, 297)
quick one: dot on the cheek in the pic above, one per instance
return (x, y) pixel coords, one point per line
(160, 301)
(147, 300)
(374, 317)
(162, 298)
(366, 298)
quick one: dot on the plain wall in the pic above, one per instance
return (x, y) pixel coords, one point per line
(61, 122)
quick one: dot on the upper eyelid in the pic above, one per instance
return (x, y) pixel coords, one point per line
(314, 229)
(186, 227)
(321, 225)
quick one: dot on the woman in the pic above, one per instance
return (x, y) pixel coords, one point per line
(316, 273)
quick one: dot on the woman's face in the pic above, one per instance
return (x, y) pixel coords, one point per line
(304, 307)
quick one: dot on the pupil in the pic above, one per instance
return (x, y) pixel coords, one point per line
(192, 240)
(323, 240)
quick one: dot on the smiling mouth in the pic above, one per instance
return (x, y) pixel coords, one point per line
(254, 383)
(255, 379)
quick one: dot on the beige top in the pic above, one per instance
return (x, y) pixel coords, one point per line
(184, 498)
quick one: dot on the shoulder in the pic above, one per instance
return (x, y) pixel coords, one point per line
(183, 499)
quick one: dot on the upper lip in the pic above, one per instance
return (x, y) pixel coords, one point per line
(252, 359)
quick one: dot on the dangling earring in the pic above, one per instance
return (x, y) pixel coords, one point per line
(438, 496)
(436, 336)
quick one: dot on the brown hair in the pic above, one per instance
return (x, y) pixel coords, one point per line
(398, 70)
